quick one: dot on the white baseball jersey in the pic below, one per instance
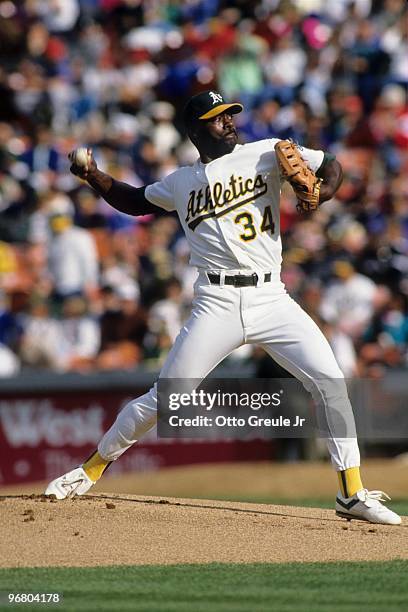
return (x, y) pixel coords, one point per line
(229, 207)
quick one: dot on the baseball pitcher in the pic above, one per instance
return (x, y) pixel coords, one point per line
(228, 205)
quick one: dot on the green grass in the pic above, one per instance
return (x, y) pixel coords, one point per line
(306, 587)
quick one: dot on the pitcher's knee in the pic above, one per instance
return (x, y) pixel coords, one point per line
(331, 391)
(143, 408)
(137, 416)
(329, 369)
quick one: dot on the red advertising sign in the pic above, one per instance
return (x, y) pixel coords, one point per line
(45, 435)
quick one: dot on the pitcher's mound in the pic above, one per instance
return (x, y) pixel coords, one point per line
(136, 530)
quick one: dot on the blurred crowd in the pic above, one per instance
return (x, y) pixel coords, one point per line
(85, 288)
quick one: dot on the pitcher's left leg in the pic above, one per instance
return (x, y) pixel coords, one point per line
(294, 340)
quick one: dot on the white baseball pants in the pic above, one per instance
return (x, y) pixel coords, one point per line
(222, 319)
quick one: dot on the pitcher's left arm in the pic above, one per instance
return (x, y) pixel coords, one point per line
(331, 173)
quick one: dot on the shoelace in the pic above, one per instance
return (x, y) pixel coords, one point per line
(376, 495)
(72, 483)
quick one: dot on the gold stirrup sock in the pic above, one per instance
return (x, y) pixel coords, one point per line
(350, 481)
(95, 466)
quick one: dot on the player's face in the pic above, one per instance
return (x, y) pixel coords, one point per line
(218, 136)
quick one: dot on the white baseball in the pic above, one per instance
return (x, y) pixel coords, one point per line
(80, 157)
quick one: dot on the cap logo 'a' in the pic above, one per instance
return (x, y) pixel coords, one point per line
(215, 97)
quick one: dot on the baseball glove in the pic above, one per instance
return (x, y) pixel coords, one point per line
(295, 170)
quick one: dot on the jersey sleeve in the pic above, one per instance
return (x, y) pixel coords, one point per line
(313, 157)
(161, 193)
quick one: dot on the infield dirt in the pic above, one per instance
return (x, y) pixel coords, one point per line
(134, 530)
(117, 525)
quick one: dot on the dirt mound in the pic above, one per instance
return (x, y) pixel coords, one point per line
(122, 529)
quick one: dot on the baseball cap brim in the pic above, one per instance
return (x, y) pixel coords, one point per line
(221, 108)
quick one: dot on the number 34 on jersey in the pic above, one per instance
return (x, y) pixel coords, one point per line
(245, 219)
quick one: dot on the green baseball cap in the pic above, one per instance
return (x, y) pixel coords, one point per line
(207, 105)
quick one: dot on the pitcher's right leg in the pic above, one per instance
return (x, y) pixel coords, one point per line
(212, 332)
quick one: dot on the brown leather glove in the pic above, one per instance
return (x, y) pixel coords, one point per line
(295, 170)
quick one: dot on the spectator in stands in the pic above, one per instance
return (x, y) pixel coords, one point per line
(284, 69)
(386, 336)
(41, 337)
(123, 327)
(167, 315)
(349, 300)
(42, 156)
(165, 137)
(73, 260)
(88, 214)
(78, 336)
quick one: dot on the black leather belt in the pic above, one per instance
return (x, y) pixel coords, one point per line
(239, 280)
